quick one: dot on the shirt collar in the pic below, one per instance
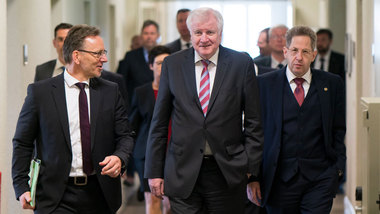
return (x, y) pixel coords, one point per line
(71, 81)
(213, 59)
(291, 76)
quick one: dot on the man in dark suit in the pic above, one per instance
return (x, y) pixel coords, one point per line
(276, 59)
(134, 67)
(80, 160)
(204, 91)
(303, 114)
(183, 42)
(55, 66)
(327, 59)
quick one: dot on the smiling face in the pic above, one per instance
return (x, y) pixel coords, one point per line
(205, 36)
(90, 64)
(299, 55)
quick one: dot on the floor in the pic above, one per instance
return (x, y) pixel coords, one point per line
(131, 205)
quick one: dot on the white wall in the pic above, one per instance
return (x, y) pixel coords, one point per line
(28, 22)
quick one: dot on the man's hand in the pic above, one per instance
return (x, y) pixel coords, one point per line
(156, 186)
(254, 193)
(111, 166)
(25, 200)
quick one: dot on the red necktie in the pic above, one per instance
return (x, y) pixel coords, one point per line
(85, 130)
(204, 90)
(299, 93)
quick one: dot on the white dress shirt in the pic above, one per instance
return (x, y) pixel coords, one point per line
(305, 84)
(72, 102)
(317, 61)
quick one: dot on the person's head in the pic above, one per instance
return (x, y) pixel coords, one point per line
(300, 49)
(136, 42)
(84, 52)
(262, 42)
(182, 15)
(277, 38)
(156, 57)
(150, 32)
(205, 26)
(60, 33)
(324, 40)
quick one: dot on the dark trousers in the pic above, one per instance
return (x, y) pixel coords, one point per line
(211, 194)
(299, 195)
(87, 199)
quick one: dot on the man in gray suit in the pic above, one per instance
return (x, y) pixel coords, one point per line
(204, 92)
(54, 67)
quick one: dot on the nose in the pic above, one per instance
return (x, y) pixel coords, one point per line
(104, 58)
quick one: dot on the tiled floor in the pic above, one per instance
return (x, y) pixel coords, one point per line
(132, 206)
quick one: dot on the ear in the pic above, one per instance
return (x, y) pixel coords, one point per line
(285, 50)
(151, 66)
(314, 55)
(76, 57)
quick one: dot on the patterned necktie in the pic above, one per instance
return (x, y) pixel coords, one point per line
(204, 87)
(85, 130)
(322, 61)
(299, 93)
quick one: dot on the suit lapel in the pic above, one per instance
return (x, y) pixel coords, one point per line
(323, 91)
(223, 65)
(59, 97)
(188, 70)
(94, 106)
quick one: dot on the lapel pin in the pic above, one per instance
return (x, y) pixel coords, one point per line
(325, 89)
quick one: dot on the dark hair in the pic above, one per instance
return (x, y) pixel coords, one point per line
(75, 39)
(325, 31)
(183, 10)
(158, 50)
(61, 26)
(301, 31)
(148, 23)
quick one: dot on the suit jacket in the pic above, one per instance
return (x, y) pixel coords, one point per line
(336, 64)
(117, 78)
(236, 151)
(135, 70)
(331, 96)
(45, 70)
(263, 64)
(174, 46)
(44, 119)
(141, 117)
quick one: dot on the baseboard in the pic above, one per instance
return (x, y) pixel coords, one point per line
(348, 208)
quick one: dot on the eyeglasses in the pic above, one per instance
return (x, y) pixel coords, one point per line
(304, 52)
(96, 54)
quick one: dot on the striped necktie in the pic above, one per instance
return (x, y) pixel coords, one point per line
(204, 89)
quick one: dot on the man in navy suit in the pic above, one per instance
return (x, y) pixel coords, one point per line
(54, 67)
(134, 67)
(204, 91)
(327, 59)
(80, 127)
(303, 113)
(184, 40)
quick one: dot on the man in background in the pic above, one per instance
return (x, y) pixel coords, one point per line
(56, 66)
(263, 43)
(134, 67)
(277, 42)
(327, 59)
(184, 41)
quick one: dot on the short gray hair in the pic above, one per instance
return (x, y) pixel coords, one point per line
(281, 26)
(202, 14)
(301, 31)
